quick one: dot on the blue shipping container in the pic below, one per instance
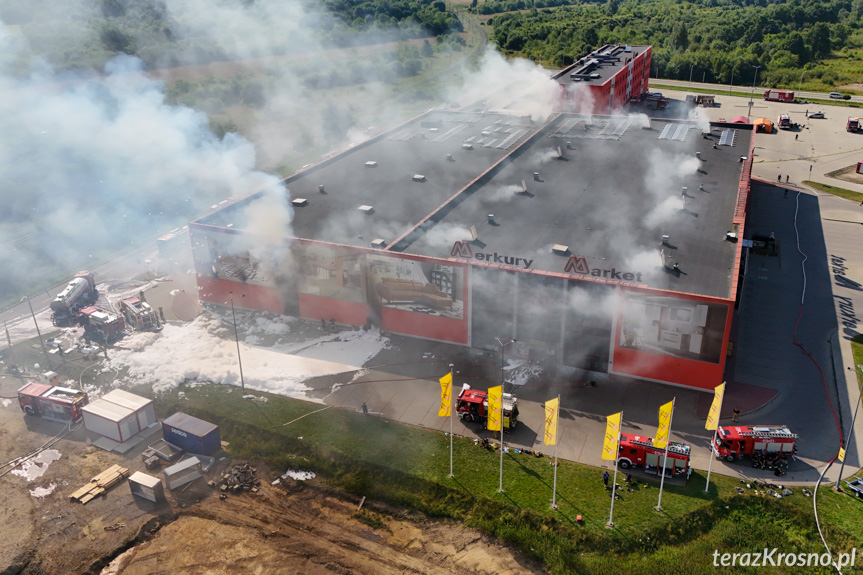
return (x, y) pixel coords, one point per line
(192, 434)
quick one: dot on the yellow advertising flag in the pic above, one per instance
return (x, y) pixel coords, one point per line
(612, 434)
(841, 456)
(551, 408)
(661, 439)
(495, 401)
(713, 414)
(445, 395)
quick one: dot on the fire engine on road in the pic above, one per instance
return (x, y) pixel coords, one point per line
(769, 446)
(639, 451)
(472, 404)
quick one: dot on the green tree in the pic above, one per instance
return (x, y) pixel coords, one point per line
(679, 36)
(819, 40)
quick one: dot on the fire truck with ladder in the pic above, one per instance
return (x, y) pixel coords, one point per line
(472, 405)
(48, 400)
(769, 446)
(639, 451)
(852, 125)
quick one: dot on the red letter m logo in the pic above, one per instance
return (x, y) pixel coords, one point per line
(461, 250)
(577, 265)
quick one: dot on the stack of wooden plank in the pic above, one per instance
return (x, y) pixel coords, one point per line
(100, 484)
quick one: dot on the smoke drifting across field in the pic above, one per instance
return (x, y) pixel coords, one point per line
(97, 162)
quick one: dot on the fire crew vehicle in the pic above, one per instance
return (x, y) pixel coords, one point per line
(139, 314)
(763, 443)
(778, 96)
(852, 125)
(51, 401)
(80, 292)
(101, 325)
(784, 122)
(472, 404)
(639, 451)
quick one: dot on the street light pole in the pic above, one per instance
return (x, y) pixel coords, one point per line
(502, 352)
(690, 74)
(800, 84)
(838, 486)
(752, 93)
(237, 339)
(731, 85)
(41, 341)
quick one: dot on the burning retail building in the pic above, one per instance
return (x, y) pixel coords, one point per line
(605, 243)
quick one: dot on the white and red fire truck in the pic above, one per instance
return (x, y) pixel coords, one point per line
(639, 451)
(51, 401)
(139, 314)
(101, 325)
(767, 445)
(472, 405)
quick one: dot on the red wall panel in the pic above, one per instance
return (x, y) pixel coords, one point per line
(423, 325)
(218, 291)
(345, 312)
(685, 372)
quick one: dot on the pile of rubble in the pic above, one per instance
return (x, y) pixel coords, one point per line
(239, 477)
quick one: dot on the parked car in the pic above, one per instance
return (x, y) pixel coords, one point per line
(835, 95)
(818, 115)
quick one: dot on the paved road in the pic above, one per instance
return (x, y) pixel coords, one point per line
(756, 93)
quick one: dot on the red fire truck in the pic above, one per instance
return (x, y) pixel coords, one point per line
(639, 451)
(769, 446)
(139, 314)
(101, 325)
(52, 402)
(472, 404)
(779, 96)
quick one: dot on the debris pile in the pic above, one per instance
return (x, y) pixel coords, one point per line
(239, 477)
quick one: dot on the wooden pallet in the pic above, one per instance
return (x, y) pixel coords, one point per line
(100, 484)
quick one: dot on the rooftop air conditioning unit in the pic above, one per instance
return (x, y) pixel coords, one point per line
(560, 249)
(371, 164)
(419, 178)
(299, 202)
(379, 243)
(467, 146)
(367, 210)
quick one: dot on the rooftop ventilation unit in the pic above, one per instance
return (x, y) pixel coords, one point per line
(594, 76)
(418, 178)
(490, 218)
(449, 158)
(536, 176)
(371, 164)
(560, 249)
(569, 145)
(698, 155)
(684, 191)
(523, 187)
(379, 244)
(559, 153)
(321, 189)
(367, 210)
(473, 234)
(467, 146)
(299, 202)
(665, 239)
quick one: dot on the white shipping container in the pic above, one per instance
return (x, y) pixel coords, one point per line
(144, 409)
(111, 420)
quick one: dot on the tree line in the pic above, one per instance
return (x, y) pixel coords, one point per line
(715, 40)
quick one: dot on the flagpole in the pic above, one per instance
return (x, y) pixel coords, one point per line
(713, 442)
(450, 420)
(500, 487)
(614, 481)
(556, 442)
(665, 457)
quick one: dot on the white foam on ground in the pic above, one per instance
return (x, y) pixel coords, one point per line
(36, 467)
(298, 475)
(205, 351)
(41, 492)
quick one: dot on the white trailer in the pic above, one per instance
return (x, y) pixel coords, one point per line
(111, 420)
(144, 409)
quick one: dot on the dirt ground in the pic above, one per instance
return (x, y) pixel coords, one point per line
(292, 527)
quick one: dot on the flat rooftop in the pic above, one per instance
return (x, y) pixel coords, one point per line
(601, 65)
(605, 188)
(615, 192)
